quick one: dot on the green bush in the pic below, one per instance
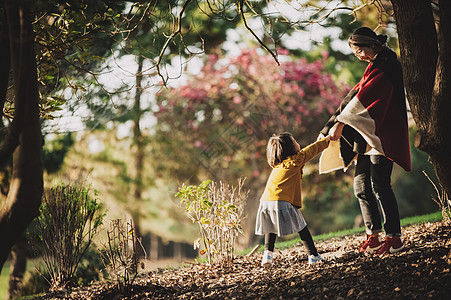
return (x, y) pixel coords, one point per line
(69, 219)
(36, 281)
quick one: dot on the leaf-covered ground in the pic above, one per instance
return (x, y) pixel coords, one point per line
(422, 271)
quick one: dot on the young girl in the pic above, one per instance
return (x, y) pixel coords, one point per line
(279, 213)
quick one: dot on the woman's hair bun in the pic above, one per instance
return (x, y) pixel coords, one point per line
(365, 31)
(382, 38)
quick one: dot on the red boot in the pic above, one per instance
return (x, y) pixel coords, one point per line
(392, 244)
(371, 244)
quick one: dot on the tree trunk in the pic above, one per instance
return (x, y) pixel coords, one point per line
(154, 247)
(18, 267)
(139, 158)
(22, 203)
(417, 36)
(426, 64)
(4, 65)
(440, 124)
(178, 251)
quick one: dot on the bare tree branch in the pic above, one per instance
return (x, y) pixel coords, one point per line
(140, 20)
(170, 38)
(274, 55)
(355, 10)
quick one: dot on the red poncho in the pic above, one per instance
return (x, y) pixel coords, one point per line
(377, 112)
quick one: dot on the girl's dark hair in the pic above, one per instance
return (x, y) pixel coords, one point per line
(280, 146)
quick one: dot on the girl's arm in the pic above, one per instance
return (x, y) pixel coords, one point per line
(312, 150)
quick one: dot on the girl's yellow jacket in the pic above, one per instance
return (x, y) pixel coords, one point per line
(284, 182)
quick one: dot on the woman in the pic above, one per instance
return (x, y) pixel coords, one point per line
(371, 127)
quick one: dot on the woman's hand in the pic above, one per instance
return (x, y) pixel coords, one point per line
(336, 131)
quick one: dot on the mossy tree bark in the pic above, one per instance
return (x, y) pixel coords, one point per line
(23, 139)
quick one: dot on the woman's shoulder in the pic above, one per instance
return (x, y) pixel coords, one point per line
(387, 53)
(384, 57)
(387, 61)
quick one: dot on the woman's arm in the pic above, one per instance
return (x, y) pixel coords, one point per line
(333, 119)
(336, 131)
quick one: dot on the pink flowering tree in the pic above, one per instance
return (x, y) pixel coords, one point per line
(217, 125)
(221, 119)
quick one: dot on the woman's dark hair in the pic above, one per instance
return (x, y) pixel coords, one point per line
(365, 37)
(280, 146)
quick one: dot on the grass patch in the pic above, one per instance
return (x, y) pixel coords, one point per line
(4, 281)
(433, 217)
(4, 278)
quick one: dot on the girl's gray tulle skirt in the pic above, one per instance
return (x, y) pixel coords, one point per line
(279, 217)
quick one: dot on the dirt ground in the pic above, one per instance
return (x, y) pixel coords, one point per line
(422, 271)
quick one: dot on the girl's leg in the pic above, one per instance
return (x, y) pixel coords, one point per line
(307, 240)
(270, 240)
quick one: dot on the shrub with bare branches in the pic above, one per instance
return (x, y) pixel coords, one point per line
(442, 200)
(218, 210)
(69, 219)
(120, 254)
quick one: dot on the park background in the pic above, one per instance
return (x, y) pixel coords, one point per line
(136, 142)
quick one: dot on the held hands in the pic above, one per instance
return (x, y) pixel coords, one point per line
(321, 136)
(336, 131)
